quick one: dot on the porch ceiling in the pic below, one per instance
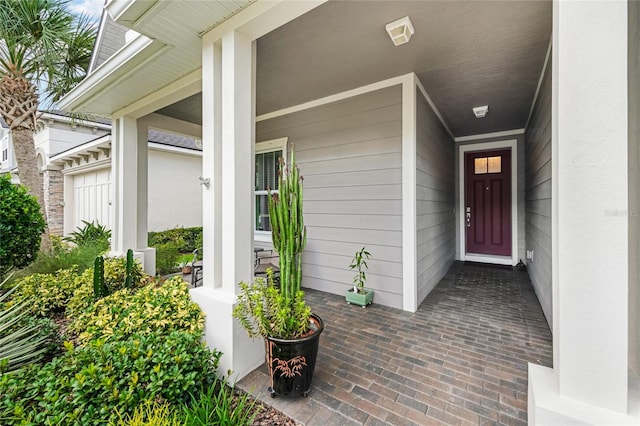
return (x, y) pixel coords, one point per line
(465, 53)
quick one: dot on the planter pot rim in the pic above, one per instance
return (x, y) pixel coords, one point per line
(366, 290)
(319, 326)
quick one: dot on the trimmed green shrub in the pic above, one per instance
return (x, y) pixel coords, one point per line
(90, 234)
(151, 309)
(166, 258)
(186, 240)
(91, 384)
(21, 225)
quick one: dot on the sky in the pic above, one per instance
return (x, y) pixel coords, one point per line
(92, 8)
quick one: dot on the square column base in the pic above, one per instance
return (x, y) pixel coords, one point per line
(240, 354)
(146, 257)
(548, 407)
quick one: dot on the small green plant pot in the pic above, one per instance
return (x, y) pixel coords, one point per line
(360, 299)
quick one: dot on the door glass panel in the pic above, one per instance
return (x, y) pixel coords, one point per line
(480, 165)
(495, 164)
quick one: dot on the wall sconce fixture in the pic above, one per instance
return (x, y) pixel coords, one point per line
(205, 181)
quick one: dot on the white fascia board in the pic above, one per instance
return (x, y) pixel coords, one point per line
(65, 119)
(130, 57)
(82, 149)
(174, 149)
(128, 11)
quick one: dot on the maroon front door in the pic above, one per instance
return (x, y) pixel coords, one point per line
(488, 202)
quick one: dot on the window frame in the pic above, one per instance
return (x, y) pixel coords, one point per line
(272, 145)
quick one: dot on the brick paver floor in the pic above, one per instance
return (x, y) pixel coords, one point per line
(460, 359)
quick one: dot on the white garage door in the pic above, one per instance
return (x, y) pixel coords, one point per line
(91, 197)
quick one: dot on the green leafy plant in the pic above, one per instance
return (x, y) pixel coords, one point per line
(151, 309)
(21, 225)
(359, 263)
(219, 404)
(89, 385)
(20, 343)
(166, 258)
(62, 257)
(90, 233)
(264, 309)
(128, 281)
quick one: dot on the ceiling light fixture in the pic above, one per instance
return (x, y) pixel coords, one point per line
(400, 31)
(481, 111)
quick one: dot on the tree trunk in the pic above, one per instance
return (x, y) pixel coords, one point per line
(30, 175)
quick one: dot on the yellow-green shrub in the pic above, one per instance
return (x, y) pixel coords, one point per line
(114, 276)
(48, 294)
(150, 309)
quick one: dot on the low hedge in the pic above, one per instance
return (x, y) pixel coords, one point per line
(185, 240)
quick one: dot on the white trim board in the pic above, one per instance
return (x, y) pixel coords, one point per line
(486, 146)
(489, 135)
(544, 69)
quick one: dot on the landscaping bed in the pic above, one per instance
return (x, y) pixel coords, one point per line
(132, 355)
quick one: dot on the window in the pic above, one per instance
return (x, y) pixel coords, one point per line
(487, 165)
(268, 156)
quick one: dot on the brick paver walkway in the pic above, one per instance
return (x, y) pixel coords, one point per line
(460, 359)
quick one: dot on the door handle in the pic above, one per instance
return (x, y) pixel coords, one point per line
(468, 215)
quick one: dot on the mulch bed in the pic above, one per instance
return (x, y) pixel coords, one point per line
(268, 416)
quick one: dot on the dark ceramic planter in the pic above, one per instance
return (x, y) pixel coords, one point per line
(291, 361)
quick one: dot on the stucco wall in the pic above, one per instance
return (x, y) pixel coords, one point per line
(435, 199)
(349, 153)
(61, 137)
(175, 195)
(538, 196)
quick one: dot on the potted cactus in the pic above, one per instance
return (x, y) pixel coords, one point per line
(358, 294)
(279, 314)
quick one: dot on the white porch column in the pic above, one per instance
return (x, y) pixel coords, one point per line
(589, 382)
(129, 175)
(229, 118)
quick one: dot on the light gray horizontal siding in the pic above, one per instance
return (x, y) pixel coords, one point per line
(435, 199)
(538, 195)
(350, 155)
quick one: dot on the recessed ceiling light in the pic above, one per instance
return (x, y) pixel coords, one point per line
(481, 111)
(400, 31)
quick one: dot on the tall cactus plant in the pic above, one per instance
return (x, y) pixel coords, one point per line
(99, 288)
(287, 226)
(128, 281)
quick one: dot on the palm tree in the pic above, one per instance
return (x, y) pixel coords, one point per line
(43, 46)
